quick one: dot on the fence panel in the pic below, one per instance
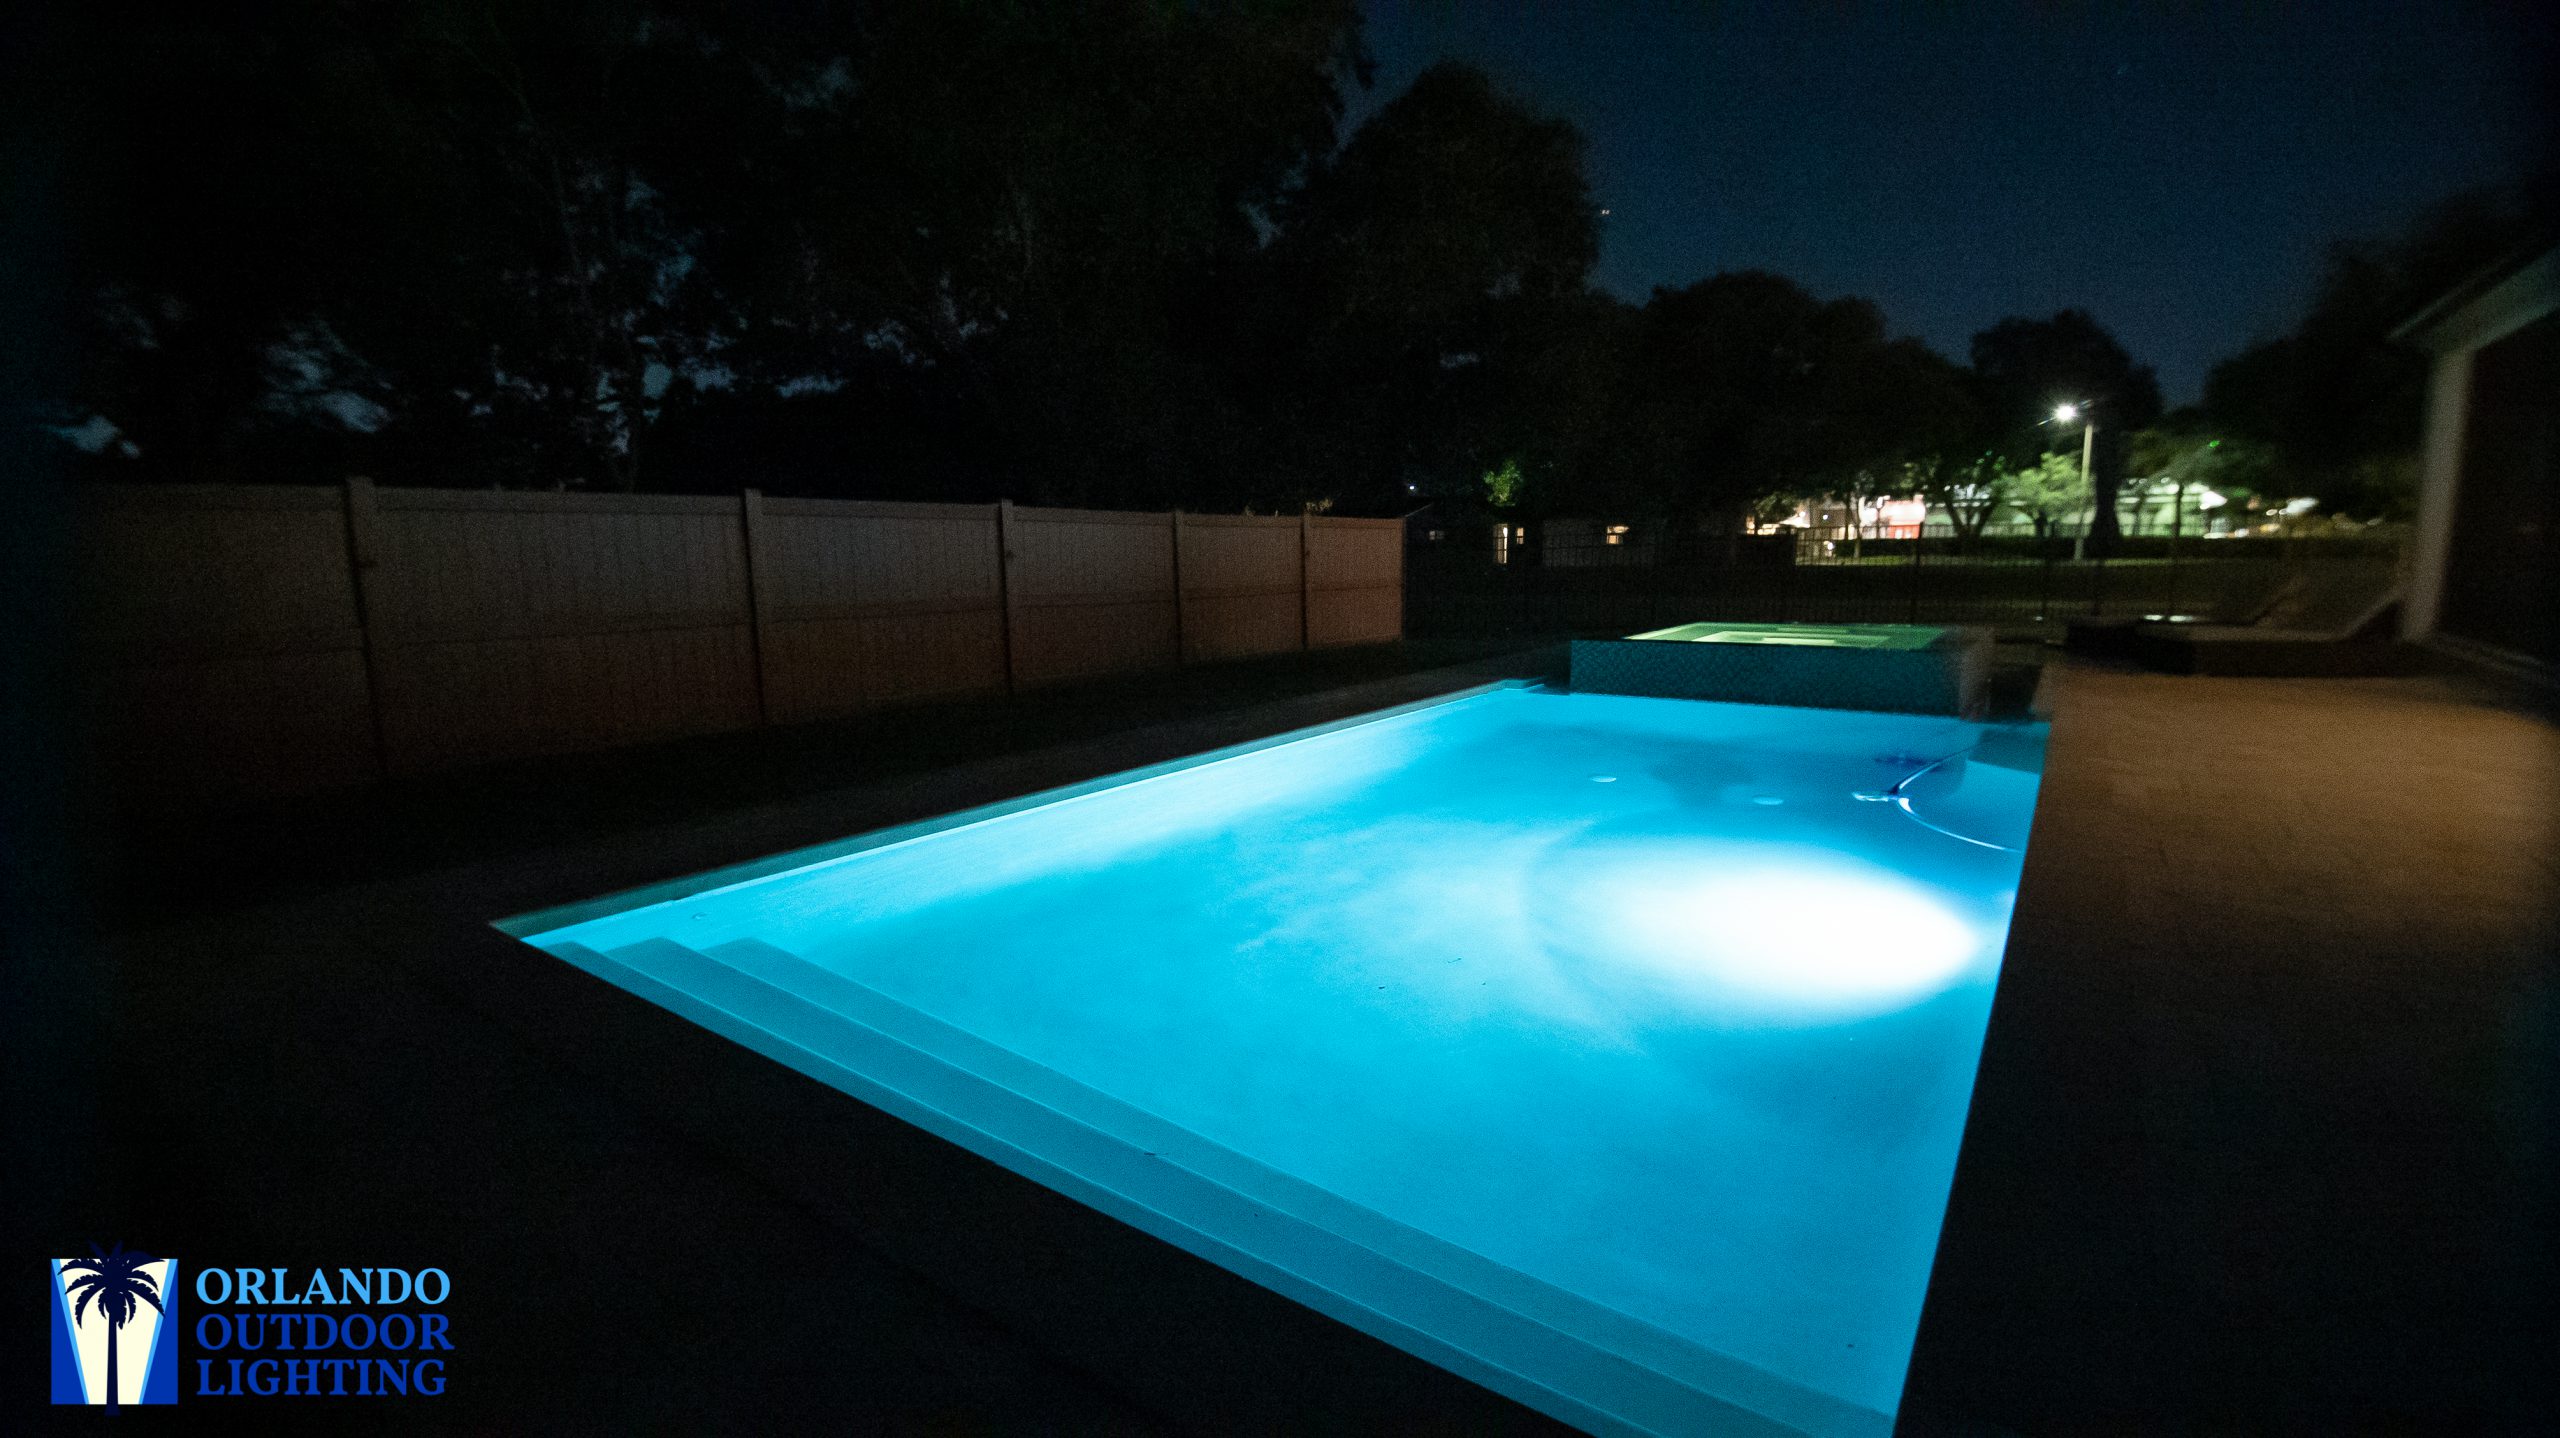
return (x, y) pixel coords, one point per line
(865, 604)
(223, 652)
(1243, 586)
(1355, 581)
(518, 624)
(267, 639)
(1092, 594)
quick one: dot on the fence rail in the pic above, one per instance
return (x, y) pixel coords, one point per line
(254, 639)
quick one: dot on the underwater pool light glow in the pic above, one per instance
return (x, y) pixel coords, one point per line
(1804, 932)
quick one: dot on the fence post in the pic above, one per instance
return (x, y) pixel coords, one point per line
(1306, 578)
(2044, 587)
(364, 552)
(751, 526)
(1005, 587)
(1181, 628)
(2098, 586)
(1913, 614)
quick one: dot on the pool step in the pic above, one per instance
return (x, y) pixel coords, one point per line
(1434, 1259)
(1193, 1193)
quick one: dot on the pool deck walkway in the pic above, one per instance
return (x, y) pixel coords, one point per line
(2262, 1139)
(2263, 1136)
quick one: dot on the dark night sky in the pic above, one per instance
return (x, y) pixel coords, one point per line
(2175, 169)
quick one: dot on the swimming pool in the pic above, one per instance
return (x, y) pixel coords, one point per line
(1613, 1052)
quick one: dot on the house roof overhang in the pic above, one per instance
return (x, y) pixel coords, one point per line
(2494, 302)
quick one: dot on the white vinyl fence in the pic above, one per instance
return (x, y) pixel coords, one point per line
(261, 640)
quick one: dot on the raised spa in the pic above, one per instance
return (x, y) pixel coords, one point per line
(1612, 1052)
(1902, 668)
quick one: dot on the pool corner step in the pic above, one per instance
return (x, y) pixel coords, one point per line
(1432, 1259)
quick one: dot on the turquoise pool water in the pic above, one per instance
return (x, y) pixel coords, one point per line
(1611, 1051)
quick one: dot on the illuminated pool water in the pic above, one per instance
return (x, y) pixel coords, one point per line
(1611, 1051)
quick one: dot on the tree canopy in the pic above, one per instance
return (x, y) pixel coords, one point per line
(2028, 368)
(947, 247)
(2338, 403)
(1419, 289)
(1117, 253)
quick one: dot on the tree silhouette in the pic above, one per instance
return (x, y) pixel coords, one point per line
(2340, 402)
(1416, 283)
(116, 1282)
(1745, 384)
(2027, 367)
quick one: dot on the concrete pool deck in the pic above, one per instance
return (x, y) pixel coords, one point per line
(2262, 1119)
(2263, 1136)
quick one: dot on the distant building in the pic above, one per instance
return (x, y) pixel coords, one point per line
(1464, 526)
(2488, 536)
(1874, 517)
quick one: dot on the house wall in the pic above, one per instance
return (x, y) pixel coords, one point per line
(2497, 589)
(2482, 434)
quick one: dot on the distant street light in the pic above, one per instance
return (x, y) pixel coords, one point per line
(2065, 414)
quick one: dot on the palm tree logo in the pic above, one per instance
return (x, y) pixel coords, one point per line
(117, 1283)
